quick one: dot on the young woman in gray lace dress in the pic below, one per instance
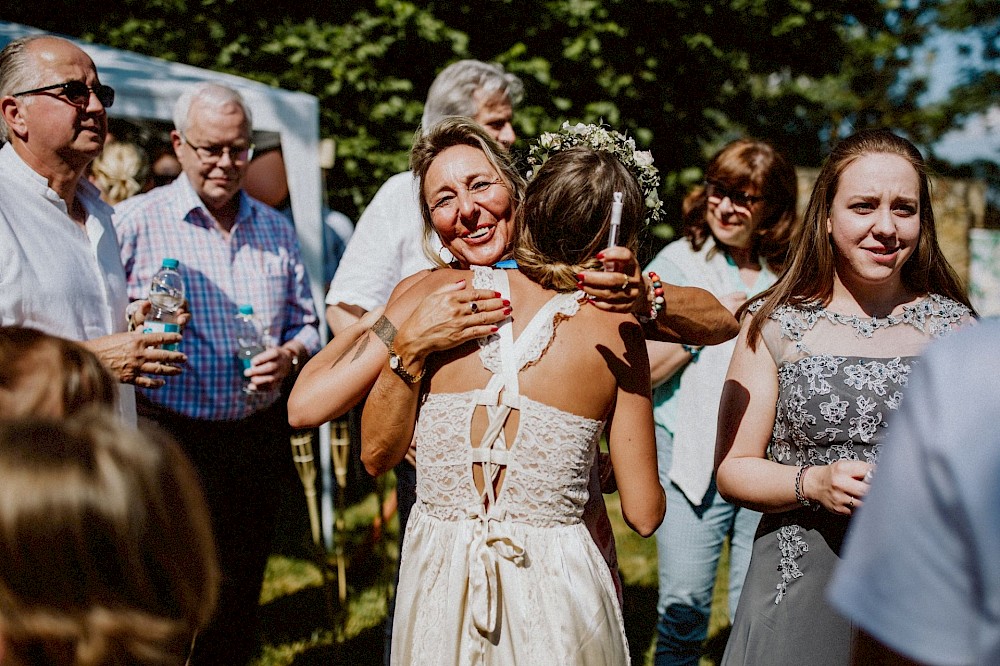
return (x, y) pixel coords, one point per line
(819, 372)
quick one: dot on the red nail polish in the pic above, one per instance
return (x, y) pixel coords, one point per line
(579, 277)
(506, 302)
(507, 311)
(497, 294)
(600, 255)
(494, 329)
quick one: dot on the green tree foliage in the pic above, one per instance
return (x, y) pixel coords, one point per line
(682, 76)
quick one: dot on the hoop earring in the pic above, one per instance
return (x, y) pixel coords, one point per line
(445, 255)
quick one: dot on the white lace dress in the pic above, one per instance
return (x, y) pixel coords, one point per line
(841, 381)
(521, 582)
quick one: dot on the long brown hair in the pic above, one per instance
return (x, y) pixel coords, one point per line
(79, 378)
(106, 549)
(566, 215)
(750, 163)
(810, 273)
(460, 131)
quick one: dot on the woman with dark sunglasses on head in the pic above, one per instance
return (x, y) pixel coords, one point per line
(737, 226)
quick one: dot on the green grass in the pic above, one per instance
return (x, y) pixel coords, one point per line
(303, 623)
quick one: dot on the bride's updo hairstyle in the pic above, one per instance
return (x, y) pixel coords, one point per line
(566, 215)
(106, 549)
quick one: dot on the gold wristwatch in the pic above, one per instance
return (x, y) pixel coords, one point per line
(396, 364)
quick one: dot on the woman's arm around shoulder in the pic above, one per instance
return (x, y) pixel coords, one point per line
(630, 432)
(688, 315)
(438, 313)
(693, 316)
(338, 377)
(341, 374)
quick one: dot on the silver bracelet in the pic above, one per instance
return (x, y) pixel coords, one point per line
(798, 486)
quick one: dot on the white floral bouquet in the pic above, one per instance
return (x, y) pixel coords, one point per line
(638, 162)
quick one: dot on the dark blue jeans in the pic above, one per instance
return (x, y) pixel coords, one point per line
(239, 464)
(689, 544)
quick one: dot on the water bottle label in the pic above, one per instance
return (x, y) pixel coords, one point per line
(162, 327)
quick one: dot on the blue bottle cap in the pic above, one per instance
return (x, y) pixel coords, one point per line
(169, 262)
(246, 309)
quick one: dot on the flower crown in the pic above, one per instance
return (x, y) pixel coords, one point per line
(638, 162)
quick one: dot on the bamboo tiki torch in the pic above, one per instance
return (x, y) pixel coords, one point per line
(302, 454)
(340, 449)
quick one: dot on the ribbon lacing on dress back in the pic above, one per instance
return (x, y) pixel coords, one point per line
(500, 396)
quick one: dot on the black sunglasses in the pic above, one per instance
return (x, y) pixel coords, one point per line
(718, 191)
(77, 93)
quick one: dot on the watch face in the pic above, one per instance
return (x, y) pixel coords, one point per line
(393, 361)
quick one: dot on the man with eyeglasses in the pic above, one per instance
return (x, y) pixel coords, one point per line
(233, 250)
(60, 269)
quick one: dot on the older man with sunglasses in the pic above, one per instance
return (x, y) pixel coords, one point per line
(60, 269)
(233, 251)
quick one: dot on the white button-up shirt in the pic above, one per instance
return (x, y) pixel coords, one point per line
(387, 246)
(54, 275)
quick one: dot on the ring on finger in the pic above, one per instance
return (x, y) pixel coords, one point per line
(850, 504)
(625, 284)
(475, 308)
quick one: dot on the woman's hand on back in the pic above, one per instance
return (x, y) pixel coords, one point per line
(449, 317)
(622, 289)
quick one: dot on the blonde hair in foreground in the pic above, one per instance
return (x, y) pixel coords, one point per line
(44, 375)
(106, 551)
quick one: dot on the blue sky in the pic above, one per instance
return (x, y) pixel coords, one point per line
(980, 139)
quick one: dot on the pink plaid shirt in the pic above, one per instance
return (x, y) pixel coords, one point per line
(259, 263)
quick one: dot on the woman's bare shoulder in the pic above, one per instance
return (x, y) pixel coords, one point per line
(611, 329)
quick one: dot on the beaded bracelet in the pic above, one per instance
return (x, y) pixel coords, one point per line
(656, 299)
(798, 486)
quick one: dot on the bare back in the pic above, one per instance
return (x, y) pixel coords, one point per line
(590, 368)
(574, 374)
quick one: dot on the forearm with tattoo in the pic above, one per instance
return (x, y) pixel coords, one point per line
(384, 329)
(359, 347)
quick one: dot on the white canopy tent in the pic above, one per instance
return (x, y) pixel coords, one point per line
(146, 88)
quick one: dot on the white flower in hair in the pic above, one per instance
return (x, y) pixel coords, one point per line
(638, 162)
(644, 158)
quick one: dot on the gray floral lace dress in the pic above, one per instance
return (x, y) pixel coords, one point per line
(841, 380)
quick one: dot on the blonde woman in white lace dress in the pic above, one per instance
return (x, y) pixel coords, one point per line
(498, 566)
(821, 366)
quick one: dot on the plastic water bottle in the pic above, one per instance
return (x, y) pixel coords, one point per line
(166, 294)
(250, 340)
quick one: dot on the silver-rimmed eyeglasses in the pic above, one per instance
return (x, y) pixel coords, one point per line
(212, 154)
